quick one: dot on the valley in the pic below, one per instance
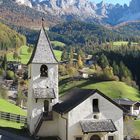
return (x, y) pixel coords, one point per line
(97, 46)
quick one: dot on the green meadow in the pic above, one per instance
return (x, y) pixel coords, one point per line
(113, 89)
(25, 56)
(120, 43)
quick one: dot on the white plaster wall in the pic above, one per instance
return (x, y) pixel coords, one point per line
(35, 108)
(62, 127)
(84, 111)
(51, 81)
(50, 128)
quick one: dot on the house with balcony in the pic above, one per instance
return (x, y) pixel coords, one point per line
(133, 107)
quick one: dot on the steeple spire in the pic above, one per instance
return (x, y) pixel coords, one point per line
(43, 52)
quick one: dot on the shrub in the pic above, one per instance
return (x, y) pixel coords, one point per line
(10, 75)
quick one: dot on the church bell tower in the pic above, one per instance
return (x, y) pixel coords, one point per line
(43, 82)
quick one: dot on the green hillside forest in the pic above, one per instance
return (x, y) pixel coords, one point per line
(10, 38)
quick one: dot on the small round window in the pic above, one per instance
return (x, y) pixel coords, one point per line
(44, 71)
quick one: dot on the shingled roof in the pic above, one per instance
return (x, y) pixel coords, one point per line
(91, 126)
(42, 93)
(76, 96)
(126, 102)
(43, 52)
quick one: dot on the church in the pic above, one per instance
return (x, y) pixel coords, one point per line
(81, 114)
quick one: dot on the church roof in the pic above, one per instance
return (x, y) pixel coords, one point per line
(43, 52)
(44, 93)
(75, 97)
(91, 126)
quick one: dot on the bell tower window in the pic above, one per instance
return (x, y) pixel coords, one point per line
(44, 71)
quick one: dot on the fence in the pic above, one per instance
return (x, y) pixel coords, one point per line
(13, 117)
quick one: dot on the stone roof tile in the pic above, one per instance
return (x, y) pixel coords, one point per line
(90, 126)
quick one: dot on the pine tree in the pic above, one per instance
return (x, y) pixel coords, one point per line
(115, 68)
(103, 61)
(64, 55)
(4, 63)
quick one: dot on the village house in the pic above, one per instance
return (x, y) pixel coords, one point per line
(81, 114)
(133, 107)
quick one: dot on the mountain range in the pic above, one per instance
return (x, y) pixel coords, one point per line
(29, 12)
(85, 9)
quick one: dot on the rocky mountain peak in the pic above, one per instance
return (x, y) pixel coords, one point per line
(86, 10)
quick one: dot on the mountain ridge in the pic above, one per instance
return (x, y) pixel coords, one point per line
(87, 10)
(28, 13)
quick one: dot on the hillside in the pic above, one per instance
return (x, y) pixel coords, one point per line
(11, 108)
(28, 13)
(10, 38)
(80, 32)
(115, 89)
(11, 12)
(83, 33)
(129, 29)
(112, 89)
(5, 106)
(25, 55)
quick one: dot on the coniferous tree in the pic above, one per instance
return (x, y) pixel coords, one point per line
(64, 55)
(115, 68)
(4, 63)
(103, 61)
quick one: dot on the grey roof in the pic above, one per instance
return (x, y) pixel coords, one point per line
(43, 52)
(76, 96)
(91, 126)
(41, 93)
(50, 138)
(125, 102)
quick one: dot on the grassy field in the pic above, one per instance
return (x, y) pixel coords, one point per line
(112, 89)
(119, 43)
(25, 56)
(57, 43)
(115, 89)
(11, 108)
(58, 54)
(9, 124)
(137, 125)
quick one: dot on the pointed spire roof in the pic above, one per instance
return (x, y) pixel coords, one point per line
(43, 51)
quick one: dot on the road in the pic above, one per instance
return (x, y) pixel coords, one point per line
(5, 135)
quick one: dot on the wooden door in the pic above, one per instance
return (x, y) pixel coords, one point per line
(95, 137)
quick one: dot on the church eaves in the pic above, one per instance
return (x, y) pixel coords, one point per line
(43, 51)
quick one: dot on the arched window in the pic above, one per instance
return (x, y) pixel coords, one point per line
(95, 105)
(44, 71)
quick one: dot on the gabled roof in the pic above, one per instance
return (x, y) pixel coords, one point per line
(126, 102)
(43, 52)
(92, 126)
(75, 97)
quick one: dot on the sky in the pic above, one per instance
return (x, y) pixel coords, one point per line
(113, 1)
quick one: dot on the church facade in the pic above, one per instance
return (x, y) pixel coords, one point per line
(81, 114)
